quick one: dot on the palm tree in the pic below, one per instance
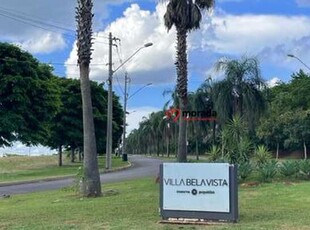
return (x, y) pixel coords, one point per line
(90, 186)
(240, 93)
(170, 104)
(186, 16)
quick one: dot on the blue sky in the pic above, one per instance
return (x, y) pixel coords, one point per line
(267, 29)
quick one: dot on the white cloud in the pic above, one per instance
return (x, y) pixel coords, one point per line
(273, 82)
(136, 115)
(44, 43)
(29, 22)
(135, 28)
(221, 34)
(259, 35)
(237, 34)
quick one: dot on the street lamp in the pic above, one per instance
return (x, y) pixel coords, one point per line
(110, 101)
(148, 84)
(293, 56)
(126, 98)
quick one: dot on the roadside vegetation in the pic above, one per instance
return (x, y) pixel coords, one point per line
(24, 168)
(134, 205)
(249, 123)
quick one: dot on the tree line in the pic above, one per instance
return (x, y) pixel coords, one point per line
(37, 107)
(251, 117)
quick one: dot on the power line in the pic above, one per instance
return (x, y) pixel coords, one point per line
(39, 20)
(120, 54)
(118, 83)
(40, 24)
(8, 59)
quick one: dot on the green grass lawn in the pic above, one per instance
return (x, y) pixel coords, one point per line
(20, 168)
(135, 206)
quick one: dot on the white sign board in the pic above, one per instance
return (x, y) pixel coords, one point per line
(196, 187)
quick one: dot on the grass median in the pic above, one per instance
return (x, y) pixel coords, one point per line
(24, 168)
(134, 205)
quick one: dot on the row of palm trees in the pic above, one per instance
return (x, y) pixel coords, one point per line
(240, 94)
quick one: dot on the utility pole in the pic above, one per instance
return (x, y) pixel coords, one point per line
(109, 140)
(124, 154)
(108, 162)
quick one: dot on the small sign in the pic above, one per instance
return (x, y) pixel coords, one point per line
(199, 190)
(196, 187)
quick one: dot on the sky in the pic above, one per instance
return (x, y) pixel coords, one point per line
(266, 29)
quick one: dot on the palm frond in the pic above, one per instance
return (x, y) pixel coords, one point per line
(205, 4)
(195, 18)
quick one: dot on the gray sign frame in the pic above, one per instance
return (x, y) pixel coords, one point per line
(231, 216)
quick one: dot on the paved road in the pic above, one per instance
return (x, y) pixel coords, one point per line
(142, 166)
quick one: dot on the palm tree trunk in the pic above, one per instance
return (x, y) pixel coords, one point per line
(277, 154)
(59, 155)
(168, 147)
(168, 139)
(72, 154)
(182, 143)
(305, 150)
(181, 65)
(213, 130)
(176, 141)
(80, 155)
(197, 149)
(157, 145)
(91, 182)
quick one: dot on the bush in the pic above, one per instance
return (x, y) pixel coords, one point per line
(268, 170)
(244, 150)
(262, 155)
(289, 168)
(244, 170)
(304, 169)
(214, 153)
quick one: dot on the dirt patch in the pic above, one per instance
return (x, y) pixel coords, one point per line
(250, 184)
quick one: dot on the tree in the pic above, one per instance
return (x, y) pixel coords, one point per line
(286, 122)
(67, 125)
(171, 104)
(29, 97)
(91, 179)
(241, 92)
(201, 100)
(186, 16)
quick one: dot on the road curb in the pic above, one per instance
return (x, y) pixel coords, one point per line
(63, 177)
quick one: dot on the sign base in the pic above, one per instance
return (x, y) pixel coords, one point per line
(207, 215)
(184, 221)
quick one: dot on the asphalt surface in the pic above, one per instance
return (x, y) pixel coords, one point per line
(141, 167)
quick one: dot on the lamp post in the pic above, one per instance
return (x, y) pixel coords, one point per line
(126, 98)
(110, 100)
(293, 56)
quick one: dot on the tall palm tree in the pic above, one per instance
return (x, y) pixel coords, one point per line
(186, 16)
(90, 186)
(240, 93)
(200, 101)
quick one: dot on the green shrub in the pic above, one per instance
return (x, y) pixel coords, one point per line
(304, 169)
(289, 168)
(214, 153)
(261, 155)
(244, 150)
(244, 170)
(268, 170)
